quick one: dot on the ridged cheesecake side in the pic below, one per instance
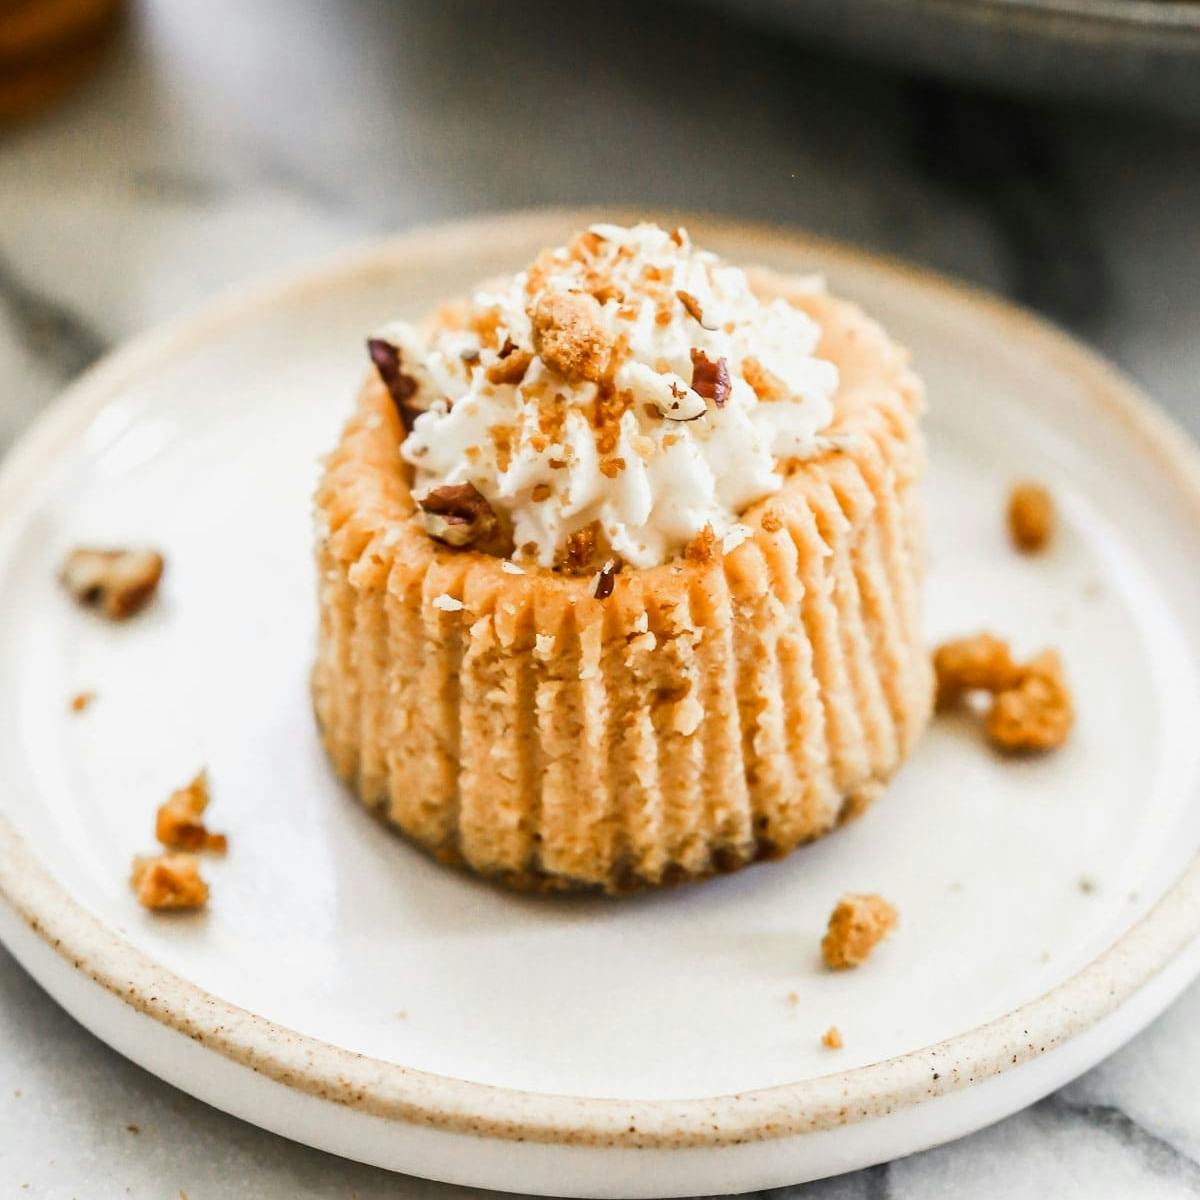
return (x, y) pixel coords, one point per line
(712, 711)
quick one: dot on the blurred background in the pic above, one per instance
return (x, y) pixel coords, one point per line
(154, 152)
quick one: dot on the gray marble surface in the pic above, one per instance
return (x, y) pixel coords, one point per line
(223, 139)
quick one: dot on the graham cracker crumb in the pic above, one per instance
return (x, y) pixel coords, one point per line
(772, 522)
(168, 882)
(117, 582)
(856, 926)
(979, 661)
(510, 368)
(792, 998)
(703, 547)
(81, 701)
(1036, 713)
(568, 336)
(831, 1039)
(179, 823)
(1031, 517)
(765, 385)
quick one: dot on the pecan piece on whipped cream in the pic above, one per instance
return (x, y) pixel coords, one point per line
(117, 582)
(692, 307)
(402, 388)
(710, 377)
(457, 514)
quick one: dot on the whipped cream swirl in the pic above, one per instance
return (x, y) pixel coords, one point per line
(627, 386)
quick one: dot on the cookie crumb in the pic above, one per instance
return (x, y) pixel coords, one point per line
(1087, 885)
(569, 337)
(831, 1039)
(978, 662)
(1031, 517)
(1036, 713)
(792, 998)
(119, 583)
(856, 925)
(81, 701)
(133, 1129)
(179, 825)
(168, 882)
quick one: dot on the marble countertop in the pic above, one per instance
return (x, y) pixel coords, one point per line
(224, 139)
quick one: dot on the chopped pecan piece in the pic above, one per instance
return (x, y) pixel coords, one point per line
(692, 308)
(1036, 712)
(978, 662)
(179, 823)
(401, 387)
(457, 514)
(606, 580)
(568, 336)
(168, 881)
(710, 378)
(1030, 517)
(117, 582)
(856, 926)
(580, 549)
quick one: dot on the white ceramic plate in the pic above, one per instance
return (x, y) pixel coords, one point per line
(347, 992)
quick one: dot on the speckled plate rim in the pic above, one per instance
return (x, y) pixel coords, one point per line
(392, 1091)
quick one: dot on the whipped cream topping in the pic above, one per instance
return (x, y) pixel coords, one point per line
(623, 393)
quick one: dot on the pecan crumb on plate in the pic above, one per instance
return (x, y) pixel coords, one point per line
(978, 662)
(1031, 517)
(1031, 708)
(168, 882)
(117, 582)
(1036, 713)
(857, 924)
(179, 823)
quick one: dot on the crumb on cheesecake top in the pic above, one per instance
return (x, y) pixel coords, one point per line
(627, 389)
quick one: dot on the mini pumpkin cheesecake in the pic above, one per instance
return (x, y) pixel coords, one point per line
(620, 569)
